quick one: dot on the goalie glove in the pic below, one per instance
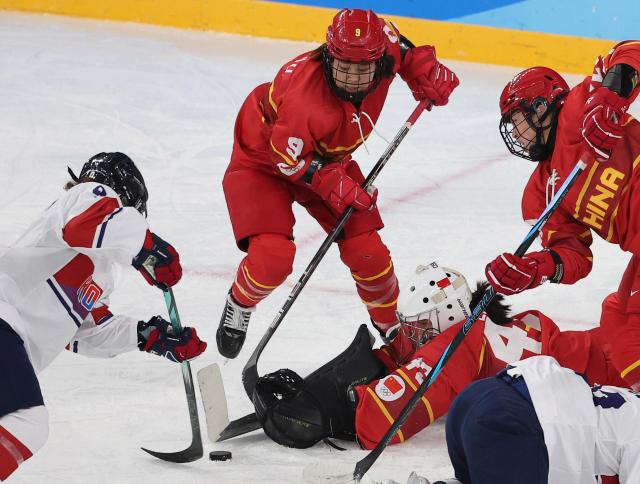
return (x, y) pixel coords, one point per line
(156, 336)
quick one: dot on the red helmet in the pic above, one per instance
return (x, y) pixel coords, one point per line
(537, 93)
(356, 35)
(535, 83)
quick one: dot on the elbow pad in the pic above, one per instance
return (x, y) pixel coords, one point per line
(621, 79)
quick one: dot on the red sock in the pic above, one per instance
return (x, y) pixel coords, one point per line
(12, 453)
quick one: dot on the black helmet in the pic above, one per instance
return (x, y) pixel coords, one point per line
(119, 172)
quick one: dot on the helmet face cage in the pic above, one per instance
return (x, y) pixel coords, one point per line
(117, 171)
(351, 81)
(436, 299)
(522, 130)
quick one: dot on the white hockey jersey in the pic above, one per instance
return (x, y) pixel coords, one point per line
(588, 431)
(55, 280)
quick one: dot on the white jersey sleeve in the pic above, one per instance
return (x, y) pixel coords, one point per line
(61, 270)
(110, 336)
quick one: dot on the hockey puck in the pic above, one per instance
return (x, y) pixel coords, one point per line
(219, 455)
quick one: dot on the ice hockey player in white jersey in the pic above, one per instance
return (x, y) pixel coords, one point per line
(55, 281)
(538, 422)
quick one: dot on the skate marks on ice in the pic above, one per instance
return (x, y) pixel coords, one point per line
(329, 472)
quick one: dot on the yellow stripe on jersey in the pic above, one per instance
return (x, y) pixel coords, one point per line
(482, 350)
(263, 286)
(385, 412)
(271, 101)
(615, 211)
(326, 148)
(383, 273)
(284, 157)
(424, 399)
(584, 188)
(629, 369)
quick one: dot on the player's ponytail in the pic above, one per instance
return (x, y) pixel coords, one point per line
(498, 312)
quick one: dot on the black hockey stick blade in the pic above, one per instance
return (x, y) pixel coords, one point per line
(241, 426)
(190, 454)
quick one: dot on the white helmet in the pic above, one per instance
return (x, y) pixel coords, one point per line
(433, 300)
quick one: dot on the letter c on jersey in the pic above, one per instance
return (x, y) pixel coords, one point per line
(390, 388)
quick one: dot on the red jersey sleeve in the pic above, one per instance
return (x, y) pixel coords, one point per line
(381, 401)
(296, 120)
(564, 235)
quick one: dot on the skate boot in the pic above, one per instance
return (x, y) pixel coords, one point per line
(232, 329)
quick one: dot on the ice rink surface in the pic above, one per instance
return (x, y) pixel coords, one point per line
(71, 88)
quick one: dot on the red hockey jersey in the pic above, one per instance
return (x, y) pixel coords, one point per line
(283, 123)
(486, 349)
(605, 197)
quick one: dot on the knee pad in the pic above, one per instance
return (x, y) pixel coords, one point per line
(270, 258)
(365, 253)
(29, 425)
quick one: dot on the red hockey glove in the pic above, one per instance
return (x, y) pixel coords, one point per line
(156, 336)
(427, 78)
(158, 262)
(510, 274)
(339, 190)
(602, 122)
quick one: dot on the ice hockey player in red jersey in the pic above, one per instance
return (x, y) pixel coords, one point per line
(293, 143)
(545, 121)
(361, 392)
(55, 282)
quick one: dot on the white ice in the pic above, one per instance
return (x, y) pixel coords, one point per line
(71, 88)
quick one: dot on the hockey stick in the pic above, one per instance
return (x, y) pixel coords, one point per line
(214, 400)
(363, 465)
(194, 451)
(236, 428)
(250, 371)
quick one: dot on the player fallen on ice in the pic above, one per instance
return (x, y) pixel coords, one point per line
(546, 122)
(360, 393)
(293, 143)
(538, 422)
(55, 282)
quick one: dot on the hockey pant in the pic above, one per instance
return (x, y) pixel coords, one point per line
(493, 435)
(24, 420)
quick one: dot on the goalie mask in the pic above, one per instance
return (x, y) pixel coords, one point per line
(529, 106)
(119, 172)
(435, 299)
(354, 54)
